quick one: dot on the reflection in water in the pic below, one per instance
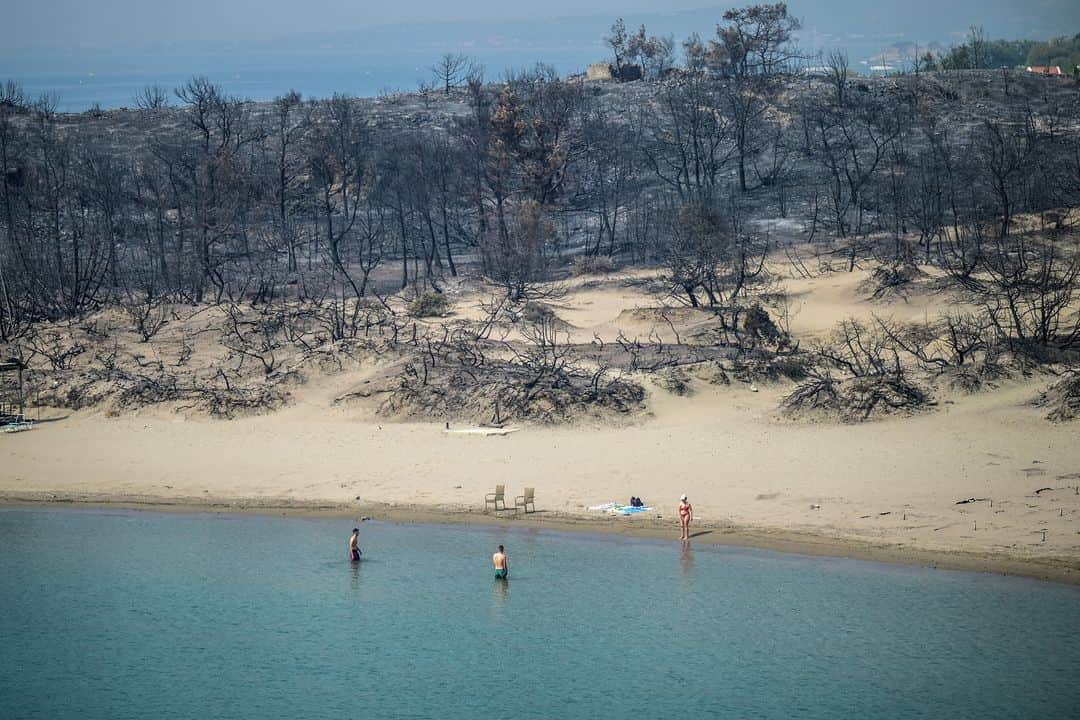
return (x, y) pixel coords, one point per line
(500, 591)
(354, 572)
(686, 559)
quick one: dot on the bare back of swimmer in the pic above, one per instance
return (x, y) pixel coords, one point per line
(354, 549)
(502, 565)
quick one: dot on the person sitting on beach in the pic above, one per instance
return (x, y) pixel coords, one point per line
(686, 514)
(502, 566)
(354, 550)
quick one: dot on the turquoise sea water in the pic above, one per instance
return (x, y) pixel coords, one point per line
(137, 615)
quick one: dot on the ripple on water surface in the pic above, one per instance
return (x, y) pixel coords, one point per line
(134, 615)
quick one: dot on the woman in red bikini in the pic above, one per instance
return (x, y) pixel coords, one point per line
(686, 514)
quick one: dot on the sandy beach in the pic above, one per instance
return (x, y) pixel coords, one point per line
(892, 484)
(982, 476)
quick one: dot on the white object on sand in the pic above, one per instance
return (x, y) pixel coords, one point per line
(480, 431)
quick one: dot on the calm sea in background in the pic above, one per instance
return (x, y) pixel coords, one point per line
(76, 92)
(109, 614)
(77, 83)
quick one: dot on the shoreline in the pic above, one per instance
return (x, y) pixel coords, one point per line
(1047, 568)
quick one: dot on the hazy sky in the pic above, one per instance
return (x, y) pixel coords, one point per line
(114, 24)
(43, 23)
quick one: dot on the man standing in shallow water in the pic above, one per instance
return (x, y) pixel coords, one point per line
(502, 567)
(354, 550)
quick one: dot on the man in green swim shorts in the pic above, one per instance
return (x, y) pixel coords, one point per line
(502, 567)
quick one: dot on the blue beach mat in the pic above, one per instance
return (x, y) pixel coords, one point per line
(628, 510)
